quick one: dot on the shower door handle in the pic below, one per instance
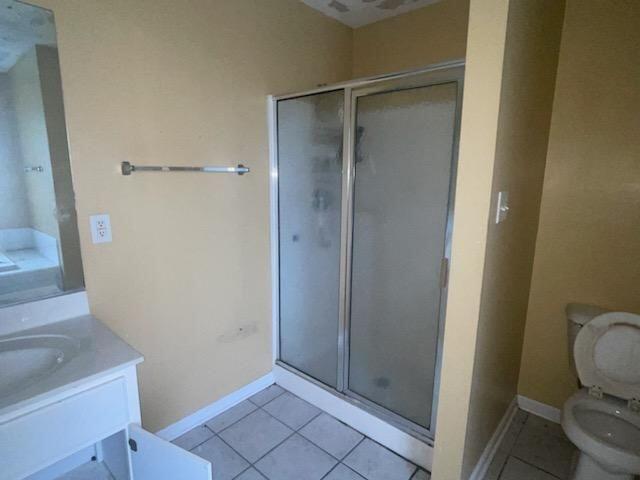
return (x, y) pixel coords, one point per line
(444, 272)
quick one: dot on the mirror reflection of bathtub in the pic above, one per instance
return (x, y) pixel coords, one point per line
(29, 265)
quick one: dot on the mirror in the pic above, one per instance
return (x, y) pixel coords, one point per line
(39, 244)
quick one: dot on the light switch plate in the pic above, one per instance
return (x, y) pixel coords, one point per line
(502, 206)
(100, 228)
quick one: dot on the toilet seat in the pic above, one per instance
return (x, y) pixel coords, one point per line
(607, 355)
(604, 429)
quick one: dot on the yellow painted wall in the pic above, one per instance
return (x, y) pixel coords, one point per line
(528, 80)
(186, 280)
(480, 109)
(432, 34)
(512, 52)
(588, 245)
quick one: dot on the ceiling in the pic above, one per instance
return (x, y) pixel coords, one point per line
(356, 13)
(21, 27)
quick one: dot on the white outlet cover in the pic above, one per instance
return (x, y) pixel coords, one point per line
(100, 228)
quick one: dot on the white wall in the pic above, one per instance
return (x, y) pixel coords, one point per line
(14, 207)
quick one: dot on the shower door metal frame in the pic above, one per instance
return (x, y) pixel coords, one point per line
(448, 72)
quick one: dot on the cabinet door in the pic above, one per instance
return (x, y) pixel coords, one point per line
(153, 458)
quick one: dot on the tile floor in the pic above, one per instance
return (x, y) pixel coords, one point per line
(275, 435)
(532, 449)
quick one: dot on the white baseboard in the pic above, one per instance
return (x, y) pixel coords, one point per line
(382, 432)
(540, 409)
(174, 430)
(494, 442)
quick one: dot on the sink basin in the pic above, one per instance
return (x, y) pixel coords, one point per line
(41, 363)
(26, 360)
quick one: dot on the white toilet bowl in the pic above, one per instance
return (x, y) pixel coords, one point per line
(607, 434)
(603, 418)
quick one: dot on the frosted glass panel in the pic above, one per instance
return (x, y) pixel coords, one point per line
(309, 182)
(403, 166)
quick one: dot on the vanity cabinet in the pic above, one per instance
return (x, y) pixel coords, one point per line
(98, 418)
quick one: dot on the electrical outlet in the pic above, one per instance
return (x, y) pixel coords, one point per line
(100, 228)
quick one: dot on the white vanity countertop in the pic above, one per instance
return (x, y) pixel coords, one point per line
(97, 351)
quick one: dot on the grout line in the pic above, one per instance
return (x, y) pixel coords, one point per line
(414, 472)
(325, 451)
(511, 454)
(197, 444)
(237, 452)
(331, 470)
(393, 453)
(334, 418)
(320, 412)
(297, 431)
(271, 450)
(533, 465)
(357, 473)
(242, 472)
(276, 418)
(250, 413)
(364, 437)
(233, 449)
(268, 452)
(504, 462)
(258, 407)
(213, 434)
(345, 466)
(349, 453)
(294, 432)
(271, 400)
(231, 424)
(510, 448)
(513, 444)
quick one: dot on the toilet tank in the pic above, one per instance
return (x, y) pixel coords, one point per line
(578, 314)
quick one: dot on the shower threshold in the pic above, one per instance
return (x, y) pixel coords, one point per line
(398, 434)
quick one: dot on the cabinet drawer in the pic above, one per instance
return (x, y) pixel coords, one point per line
(42, 437)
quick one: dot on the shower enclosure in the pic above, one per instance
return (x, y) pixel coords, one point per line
(363, 181)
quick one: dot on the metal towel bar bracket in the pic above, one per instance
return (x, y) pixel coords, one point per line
(127, 169)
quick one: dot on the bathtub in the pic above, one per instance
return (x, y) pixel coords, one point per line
(28, 259)
(6, 264)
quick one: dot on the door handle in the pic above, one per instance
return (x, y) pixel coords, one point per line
(444, 272)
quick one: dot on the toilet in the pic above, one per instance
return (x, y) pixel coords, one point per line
(603, 418)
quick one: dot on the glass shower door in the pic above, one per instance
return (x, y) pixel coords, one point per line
(310, 131)
(403, 169)
(364, 181)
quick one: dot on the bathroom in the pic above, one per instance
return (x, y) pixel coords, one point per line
(187, 267)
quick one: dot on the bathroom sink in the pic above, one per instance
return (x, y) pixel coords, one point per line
(27, 359)
(43, 362)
